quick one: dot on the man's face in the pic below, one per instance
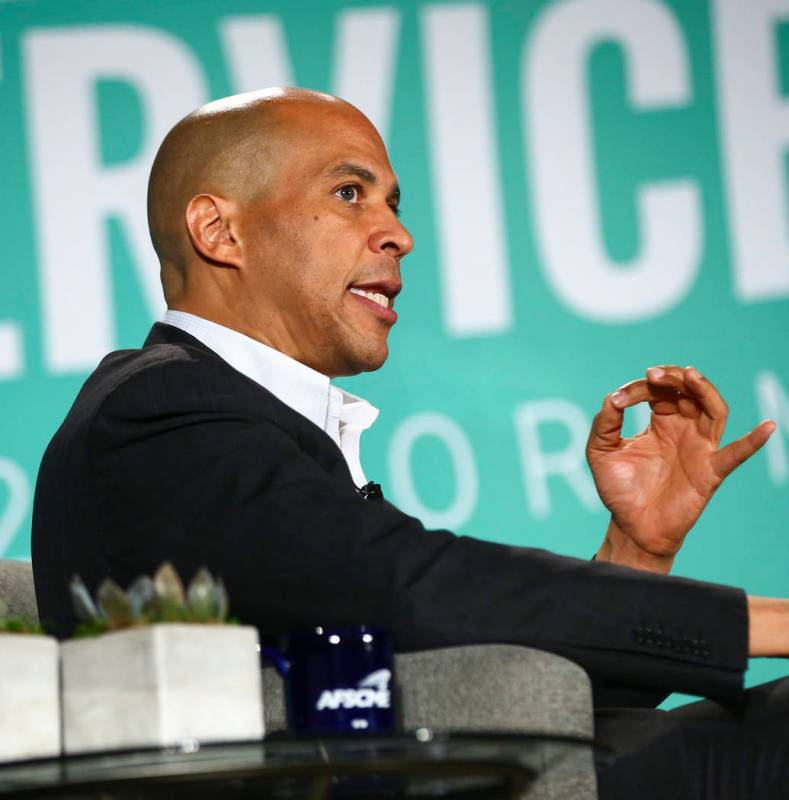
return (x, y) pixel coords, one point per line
(323, 243)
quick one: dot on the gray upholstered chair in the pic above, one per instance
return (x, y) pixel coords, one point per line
(487, 689)
(477, 688)
(16, 589)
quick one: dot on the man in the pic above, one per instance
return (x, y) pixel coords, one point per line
(222, 442)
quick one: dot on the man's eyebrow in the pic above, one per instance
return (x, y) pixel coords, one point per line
(347, 169)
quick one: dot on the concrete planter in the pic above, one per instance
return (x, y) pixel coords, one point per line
(29, 697)
(161, 685)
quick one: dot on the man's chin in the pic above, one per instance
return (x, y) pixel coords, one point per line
(366, 361)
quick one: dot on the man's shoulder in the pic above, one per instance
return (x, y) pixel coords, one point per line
(173, 367)
(122, 365)
(169, 378)
(175, 389)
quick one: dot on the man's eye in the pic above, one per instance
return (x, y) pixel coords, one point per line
(348, 193)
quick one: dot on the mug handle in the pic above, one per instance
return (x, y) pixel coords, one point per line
(277, 659)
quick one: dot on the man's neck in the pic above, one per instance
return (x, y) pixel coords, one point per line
(234, 320)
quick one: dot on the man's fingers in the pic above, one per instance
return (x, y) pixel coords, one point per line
(708, 397)
(668, 390)
(688, 408)
(607, 424)
(690, 382)
(639, 391)
(662, 399)
(728, 458)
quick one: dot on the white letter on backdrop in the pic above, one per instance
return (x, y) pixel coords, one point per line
(11, 352)
(568, 463)
(255, 52)
(364, 61)
(12, 360)
(463, 150)
(74, 193)
(17, 502)
(773, 403)
(556, 117)
(364, 57)
(465, 468)
(755, 133)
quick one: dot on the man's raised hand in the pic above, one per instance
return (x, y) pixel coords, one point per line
(657, 484)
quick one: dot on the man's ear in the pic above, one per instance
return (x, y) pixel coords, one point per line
(211, 222)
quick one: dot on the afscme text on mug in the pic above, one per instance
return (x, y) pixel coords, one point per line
(371, 691)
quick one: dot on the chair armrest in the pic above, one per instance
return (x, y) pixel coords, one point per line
(16, 589)
(504, 688)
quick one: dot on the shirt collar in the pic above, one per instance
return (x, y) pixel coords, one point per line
(302, 388)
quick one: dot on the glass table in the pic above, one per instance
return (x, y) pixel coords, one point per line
(420, 764)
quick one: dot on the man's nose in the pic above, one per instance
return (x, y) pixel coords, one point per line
(392, 237)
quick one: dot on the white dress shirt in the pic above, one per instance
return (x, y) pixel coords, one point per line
(342, 415)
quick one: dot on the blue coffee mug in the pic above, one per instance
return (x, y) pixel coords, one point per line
(338, 680)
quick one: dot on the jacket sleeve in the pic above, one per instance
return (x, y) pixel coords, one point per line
(198, 484)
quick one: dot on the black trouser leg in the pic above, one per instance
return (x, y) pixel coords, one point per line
(702, 751)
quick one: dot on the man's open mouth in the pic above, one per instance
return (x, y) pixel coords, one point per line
(379, 296)
(376, 297)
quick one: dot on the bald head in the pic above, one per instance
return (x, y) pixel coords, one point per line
(275, 214)
(231, 148)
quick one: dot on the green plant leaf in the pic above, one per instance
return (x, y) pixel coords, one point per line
(169, 591)
(94, 628)
(114, 604)
(82, 602)
(147, 601)
(201, 597)
(16, 624)
(142, 596)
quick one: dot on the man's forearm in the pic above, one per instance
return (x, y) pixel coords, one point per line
(768, 627)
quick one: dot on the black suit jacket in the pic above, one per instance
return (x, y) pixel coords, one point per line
(169, 453)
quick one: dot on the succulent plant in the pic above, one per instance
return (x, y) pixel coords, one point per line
(12, 623)
(149, 600)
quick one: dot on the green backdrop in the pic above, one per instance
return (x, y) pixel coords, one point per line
(594, 186)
